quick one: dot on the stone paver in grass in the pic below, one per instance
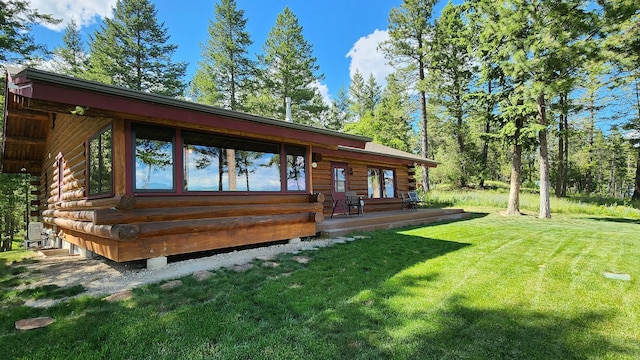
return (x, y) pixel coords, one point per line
(616, 276)
(301, 259)
(271, 264)
(119, 296)
(242, 267)
(168, 286)
(202, 275)
(34, 323)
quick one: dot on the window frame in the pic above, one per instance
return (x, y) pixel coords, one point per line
(180, 166)
(381, 182)
(174, 159)
(98, 135)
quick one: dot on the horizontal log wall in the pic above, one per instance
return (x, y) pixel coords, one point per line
(135, 226)
(358, 182)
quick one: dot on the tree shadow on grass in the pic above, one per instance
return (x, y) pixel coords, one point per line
(337, 306)
(458, 330)
(616, 220)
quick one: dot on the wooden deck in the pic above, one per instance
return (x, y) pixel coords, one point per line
(341, 225)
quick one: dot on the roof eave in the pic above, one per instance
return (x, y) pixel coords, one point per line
(416, 159)
(35, 75)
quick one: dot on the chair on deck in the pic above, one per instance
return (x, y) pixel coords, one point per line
(353, 201)
(406, 202)
(414, 199)
(410, 201)
(339, 202)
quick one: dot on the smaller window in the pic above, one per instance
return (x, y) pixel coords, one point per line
(154, 158)
(296, 176)
(100, 165)
(381, 183)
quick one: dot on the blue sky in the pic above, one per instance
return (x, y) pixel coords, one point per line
(344, 33)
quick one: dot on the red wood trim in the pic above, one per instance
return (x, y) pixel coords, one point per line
(51, 92)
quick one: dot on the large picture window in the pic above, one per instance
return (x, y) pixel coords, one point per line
(100, 163)
(220, 163)
(381, 183)
(154, 158)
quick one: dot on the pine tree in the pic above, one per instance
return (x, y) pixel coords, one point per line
(410, 36)
(71, 58)
(16, 41)
(289, 70)
(340, 112)
(450, 81)
(357, 91)
(131, 50)
(225, 69)
(390, 122)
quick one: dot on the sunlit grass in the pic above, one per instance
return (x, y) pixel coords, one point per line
(530, 203)
(490, 287)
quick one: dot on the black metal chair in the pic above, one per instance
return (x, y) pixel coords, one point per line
(353, 201)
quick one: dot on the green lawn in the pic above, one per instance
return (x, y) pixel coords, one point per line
(486, 288)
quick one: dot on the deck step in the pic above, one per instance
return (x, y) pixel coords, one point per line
(388, 221)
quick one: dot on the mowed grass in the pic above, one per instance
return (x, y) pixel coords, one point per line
(490, 287)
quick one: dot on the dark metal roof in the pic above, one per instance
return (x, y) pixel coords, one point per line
(35, 75)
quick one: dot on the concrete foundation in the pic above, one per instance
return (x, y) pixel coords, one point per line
(156, 263)
(295, 241)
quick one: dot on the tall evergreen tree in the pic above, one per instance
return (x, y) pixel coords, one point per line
(16, 41)
(222, 74)
(390, 122)
(410, 36)
(451, 66)
(340, 112)
(289, 70)
(358, 94)
(131, 50)
(622, 25)
(71, 58)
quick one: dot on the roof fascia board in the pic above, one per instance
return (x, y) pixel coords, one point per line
(35, 75)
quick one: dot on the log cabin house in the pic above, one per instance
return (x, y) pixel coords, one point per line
(131, 175)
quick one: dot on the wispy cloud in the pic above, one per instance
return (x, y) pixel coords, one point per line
(84, 12)
(366, 58)
(324, 91)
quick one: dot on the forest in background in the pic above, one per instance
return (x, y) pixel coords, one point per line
(538, 93)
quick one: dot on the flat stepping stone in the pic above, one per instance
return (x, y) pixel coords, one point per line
(301, 259)
(202, 275)
(34, 323)
(339, 241)
(242, 268)
(360, 237)
(271, 264)
(617, 276)
(264, 257)
(168, 286)
(119, 296)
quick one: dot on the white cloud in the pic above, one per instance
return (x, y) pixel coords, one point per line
(324, 91)
(84, 12)
(366, 58)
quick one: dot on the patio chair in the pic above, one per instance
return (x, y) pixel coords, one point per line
(407, 203)
(339, 202)
(353, 201)
(414, 199)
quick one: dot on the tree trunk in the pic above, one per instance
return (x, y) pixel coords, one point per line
(516, 168)
(231, 168)
(561, 130)
(636, 187)
(423, 114)
(514, 189)
(485, 142)
(545, 207)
